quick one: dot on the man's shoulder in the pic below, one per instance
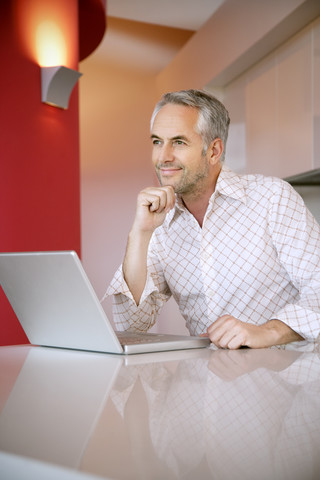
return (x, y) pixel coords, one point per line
(254, 186)
(257, 181)
(257, 189)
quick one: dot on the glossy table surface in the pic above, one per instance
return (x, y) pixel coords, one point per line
(200, 414)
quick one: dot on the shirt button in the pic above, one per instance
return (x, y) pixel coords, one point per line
(205, 256)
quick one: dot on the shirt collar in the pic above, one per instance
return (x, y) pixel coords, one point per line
(177, 210)
(231, 185)
(228, 184)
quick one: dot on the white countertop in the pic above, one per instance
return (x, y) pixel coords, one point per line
(200, 414)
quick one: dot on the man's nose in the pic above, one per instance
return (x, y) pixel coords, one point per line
(166, 153)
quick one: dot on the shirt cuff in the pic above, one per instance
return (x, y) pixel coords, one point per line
(303, 321)
(118, 285)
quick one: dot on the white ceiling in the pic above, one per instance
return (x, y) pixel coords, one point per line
(186, 14)
(123, 46)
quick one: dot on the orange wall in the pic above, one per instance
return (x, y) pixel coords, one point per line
(115, 149)
(39, 144)
(117, 96)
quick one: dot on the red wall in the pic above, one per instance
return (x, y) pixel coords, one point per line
(39, 145)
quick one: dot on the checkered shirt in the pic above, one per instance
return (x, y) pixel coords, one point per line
(256, 257)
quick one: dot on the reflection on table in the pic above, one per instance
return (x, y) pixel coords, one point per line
(202, 414)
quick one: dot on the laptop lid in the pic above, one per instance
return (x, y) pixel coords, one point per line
(57, 306)
(55, 302)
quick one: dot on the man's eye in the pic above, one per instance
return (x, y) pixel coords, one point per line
(179, 142)
(156, 142)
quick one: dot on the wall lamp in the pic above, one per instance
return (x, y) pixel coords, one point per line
(57, 84)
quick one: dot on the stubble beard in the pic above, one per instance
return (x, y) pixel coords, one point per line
(188, 185)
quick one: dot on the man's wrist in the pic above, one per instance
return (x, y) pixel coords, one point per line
(280, 333)
(139, 233)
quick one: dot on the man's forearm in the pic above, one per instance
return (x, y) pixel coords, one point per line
(135, 262)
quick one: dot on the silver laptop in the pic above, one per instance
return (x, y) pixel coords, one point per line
(57, 307)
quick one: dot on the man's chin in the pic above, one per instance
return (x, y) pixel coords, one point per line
(166, 182)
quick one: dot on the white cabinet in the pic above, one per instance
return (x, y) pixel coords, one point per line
(275, 110)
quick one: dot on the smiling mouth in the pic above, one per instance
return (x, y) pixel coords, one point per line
(167, 171)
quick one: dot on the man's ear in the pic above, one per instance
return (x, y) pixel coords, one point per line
(215, 150)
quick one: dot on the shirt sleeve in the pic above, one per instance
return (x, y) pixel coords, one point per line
(296, 236)
(126, 313)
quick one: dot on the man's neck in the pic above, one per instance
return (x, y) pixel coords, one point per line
(197, 207)
(198, 204)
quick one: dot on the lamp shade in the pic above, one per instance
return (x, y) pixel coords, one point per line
(57, 84)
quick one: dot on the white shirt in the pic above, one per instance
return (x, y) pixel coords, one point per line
(256, 257)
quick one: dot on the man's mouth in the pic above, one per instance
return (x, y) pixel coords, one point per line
(168, 171)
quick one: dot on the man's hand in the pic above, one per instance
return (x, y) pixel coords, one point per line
(153, 204)
(229, 332)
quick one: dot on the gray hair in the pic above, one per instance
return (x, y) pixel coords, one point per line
(213, 121)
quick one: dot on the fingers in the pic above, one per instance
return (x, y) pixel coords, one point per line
(228, 332)
(153, 204)
(158, 200)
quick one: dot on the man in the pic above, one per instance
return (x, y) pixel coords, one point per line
(240, 254)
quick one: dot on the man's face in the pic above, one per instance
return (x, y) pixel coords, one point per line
(178, 150)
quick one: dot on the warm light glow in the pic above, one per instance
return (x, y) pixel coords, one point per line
(50, 45)
(48, 31)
